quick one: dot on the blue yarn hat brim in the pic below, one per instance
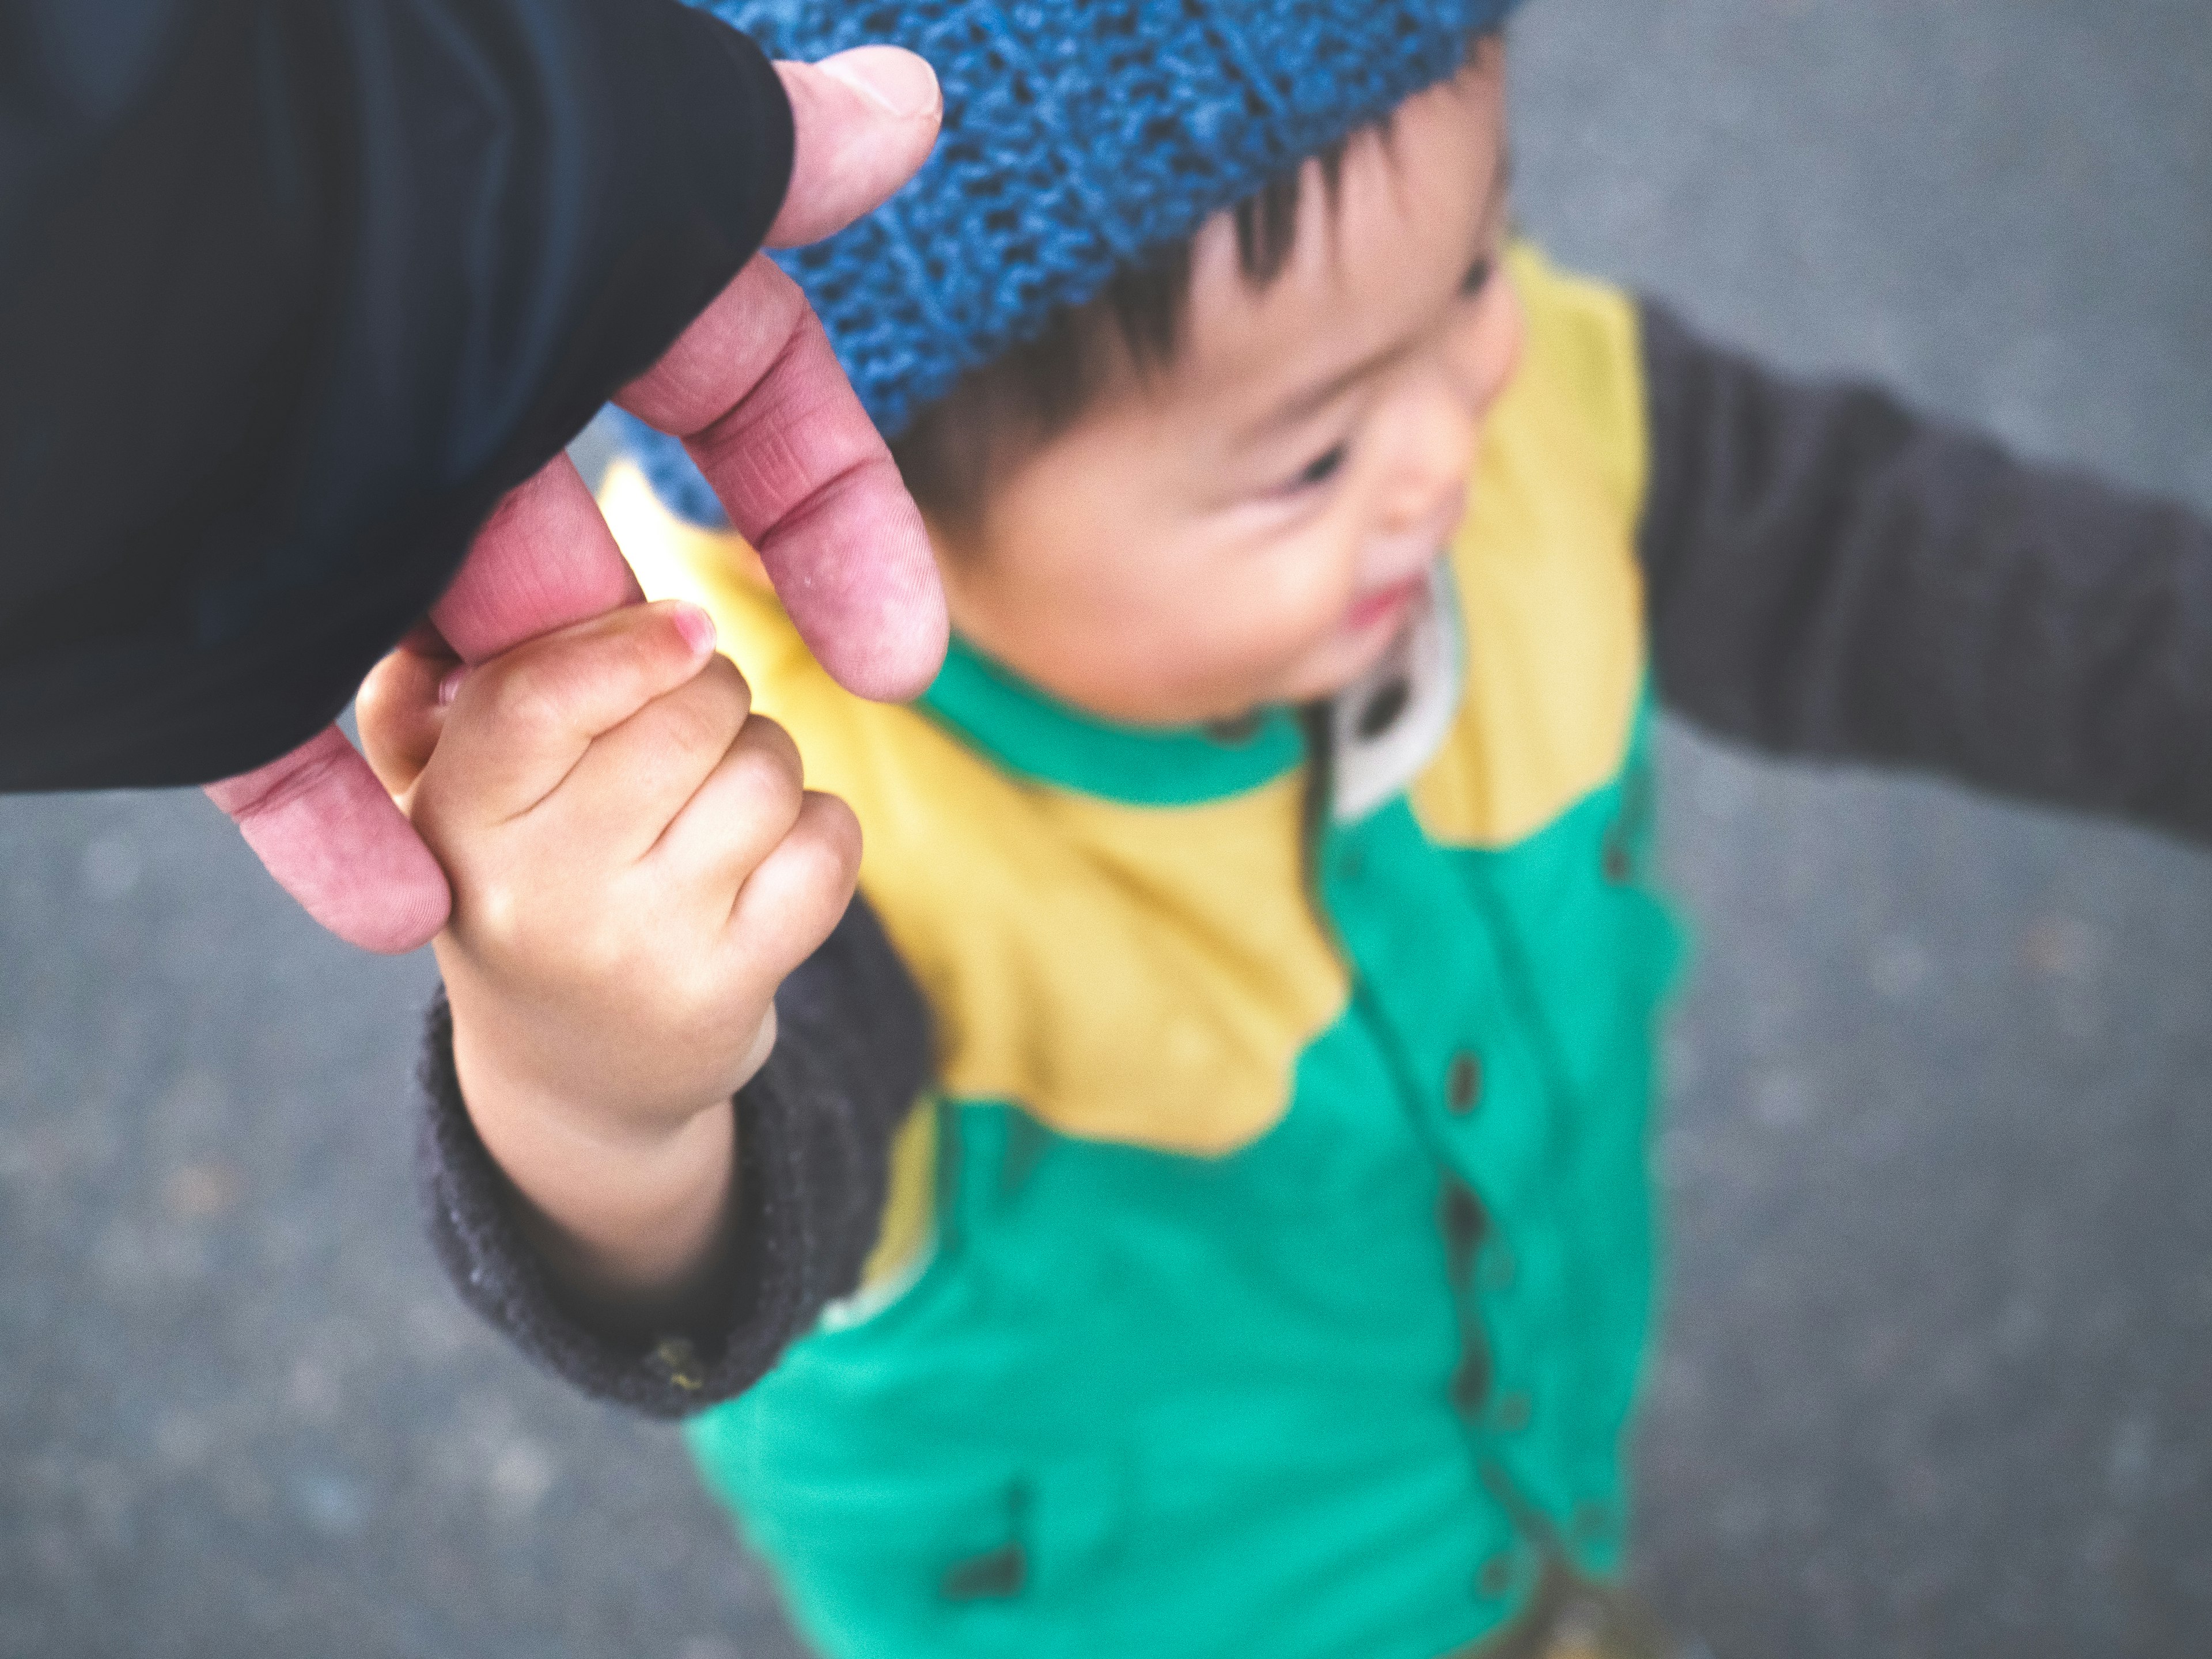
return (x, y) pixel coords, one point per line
(1079, 136)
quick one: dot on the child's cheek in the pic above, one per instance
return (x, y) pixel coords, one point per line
(1501, 333)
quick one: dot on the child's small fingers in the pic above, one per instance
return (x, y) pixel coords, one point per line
(520, 722)
(400, 715)
(637, 777)
(796, 895)
(740, 813)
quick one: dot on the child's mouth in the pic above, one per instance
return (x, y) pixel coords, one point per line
(1384, 605)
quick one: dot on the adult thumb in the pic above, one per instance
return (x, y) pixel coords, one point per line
(322, 824)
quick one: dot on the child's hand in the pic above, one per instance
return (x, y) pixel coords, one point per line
(636, 867)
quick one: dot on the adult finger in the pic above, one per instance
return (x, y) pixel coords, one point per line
(838, 532)
(318, 817)
(520, 722)
(329, 833)
(321, 821)
(862, 122)
(544, 560)
(754, 389)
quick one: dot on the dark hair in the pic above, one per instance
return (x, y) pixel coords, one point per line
(1034, 392)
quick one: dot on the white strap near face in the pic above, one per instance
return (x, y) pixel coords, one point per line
(1421, 676)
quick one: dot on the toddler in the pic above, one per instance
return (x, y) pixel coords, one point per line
(1196, 1200)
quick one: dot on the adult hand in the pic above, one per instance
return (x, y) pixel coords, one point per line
(757, 393)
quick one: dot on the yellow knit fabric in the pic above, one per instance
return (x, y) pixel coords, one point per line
(1152, 975)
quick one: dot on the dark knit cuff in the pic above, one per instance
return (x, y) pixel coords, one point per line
(814, 1131)
(783, 1265)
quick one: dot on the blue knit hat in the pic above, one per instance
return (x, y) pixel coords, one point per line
(1079, 136)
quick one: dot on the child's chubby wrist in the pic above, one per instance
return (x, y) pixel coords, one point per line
(626, 1090)
(628, 1196)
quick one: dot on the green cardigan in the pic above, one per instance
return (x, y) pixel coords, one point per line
(1270, 1268)
(1271, 1265)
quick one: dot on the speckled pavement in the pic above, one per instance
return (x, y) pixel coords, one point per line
(1938, 1370)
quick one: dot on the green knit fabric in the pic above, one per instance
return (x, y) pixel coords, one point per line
(1335, 1393)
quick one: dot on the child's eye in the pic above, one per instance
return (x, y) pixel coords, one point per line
(1477, 278)
(1320, 469)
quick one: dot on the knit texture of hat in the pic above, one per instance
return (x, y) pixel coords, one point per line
(1079, 136)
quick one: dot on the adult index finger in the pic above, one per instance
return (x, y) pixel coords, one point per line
(545, 559)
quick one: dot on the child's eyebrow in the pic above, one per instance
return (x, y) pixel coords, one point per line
(1303, 402)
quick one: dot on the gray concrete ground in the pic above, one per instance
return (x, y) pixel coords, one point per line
(1939, 1362)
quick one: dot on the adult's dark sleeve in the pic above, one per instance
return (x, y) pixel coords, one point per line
(814, 1130)
(1830, 574)
(291, 291)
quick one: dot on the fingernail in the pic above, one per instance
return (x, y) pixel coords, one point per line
(450, 686)
(893, 79)
(696, 627)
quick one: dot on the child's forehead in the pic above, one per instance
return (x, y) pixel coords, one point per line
(1401, 223)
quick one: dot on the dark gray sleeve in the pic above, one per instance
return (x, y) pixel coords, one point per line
(1831, 575)
(814, 1130)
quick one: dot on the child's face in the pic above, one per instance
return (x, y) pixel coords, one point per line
(1252, 523)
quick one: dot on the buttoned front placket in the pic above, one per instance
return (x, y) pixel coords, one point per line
(1429, 978)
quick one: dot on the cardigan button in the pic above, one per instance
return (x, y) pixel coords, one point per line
(1619, 868)
(1470, 1384)
(1462, 1082)
(1496, 1576)
(1513, 1411)
(994, 1575)
(1465, 1223)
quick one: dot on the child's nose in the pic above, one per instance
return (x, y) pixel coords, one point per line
(1434, 452)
